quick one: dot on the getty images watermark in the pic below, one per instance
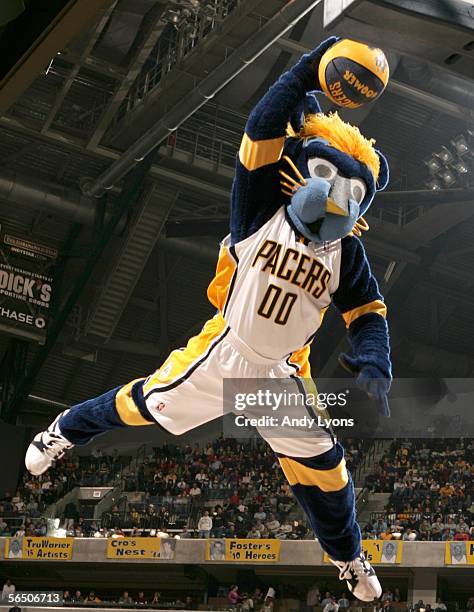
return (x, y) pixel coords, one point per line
(289, 409)
(420, 408)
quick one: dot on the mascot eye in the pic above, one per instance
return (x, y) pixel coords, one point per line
(321, 168)
(358, 189)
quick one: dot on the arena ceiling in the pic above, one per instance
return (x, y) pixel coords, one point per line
(129, 287)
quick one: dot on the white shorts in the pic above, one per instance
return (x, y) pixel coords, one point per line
(188, 390)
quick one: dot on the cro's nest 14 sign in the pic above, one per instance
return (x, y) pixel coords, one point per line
(380, 551)
(243, 550)
(26, 285)
(130, 549)
(38, 548)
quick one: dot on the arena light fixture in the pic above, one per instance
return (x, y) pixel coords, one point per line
(461, 145)
(461, 167)
(434, 164)
(445, 155)
(433, 184)
(448, 177)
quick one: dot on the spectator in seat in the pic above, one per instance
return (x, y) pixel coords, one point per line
(8, 589)
(185, 534)
(205, 525)
(386, 606)
(387, 595)
(269, 602)
(140, 599)
(257, 596)
(440, 606)
(313, 597)
(247, 603)
(77, 597)
(386, 535)
(92, 598)
(254, 533)
(343, 602)
(195, 491)
(461, 535)
(326, 599)
(285, 530)
(233, 596)
(331, 606)
(273, 524)
(156, 601)
(71, 516)
(409, 535)
(125, 599)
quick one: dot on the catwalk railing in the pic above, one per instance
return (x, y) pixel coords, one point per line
(176, 43)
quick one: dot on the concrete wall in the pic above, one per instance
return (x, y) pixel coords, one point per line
(300, 553)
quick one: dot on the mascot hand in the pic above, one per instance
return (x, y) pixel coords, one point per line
(307, 68)
(370, 379)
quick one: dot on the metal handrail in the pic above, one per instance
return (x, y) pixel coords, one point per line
(171, 49)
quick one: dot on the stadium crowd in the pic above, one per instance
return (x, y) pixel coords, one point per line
(21, 513)
(431, 486)
(227, 488)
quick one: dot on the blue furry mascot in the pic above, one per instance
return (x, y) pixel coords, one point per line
(302, 182)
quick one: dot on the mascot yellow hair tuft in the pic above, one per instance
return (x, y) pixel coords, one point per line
(342, 136)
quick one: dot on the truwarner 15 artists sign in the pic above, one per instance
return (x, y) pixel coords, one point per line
(26, 286)
(39, 548)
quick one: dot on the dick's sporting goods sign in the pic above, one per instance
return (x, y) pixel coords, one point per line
(26, 286)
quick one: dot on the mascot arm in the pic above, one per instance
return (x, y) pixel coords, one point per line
(256, 194)
(362, 307)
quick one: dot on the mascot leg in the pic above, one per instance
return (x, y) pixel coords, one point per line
(314, 465)
(184, 393)
(324, 489)
(120, 407)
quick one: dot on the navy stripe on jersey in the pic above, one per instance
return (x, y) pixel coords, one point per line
(233, 252)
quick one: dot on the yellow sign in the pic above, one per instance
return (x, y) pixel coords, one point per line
(140, 548)
(243, 550)
(34, 548)
(379, 551)
(459, 553)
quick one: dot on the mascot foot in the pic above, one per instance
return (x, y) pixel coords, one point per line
(361, 579)
(46, 447)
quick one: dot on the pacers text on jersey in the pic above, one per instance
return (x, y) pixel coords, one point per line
(290, 265)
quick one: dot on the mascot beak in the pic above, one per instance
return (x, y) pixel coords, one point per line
(336, 209)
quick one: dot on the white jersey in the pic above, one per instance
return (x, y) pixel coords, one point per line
(272, 288)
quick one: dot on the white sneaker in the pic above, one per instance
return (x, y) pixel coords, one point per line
(46, 447)
(361, 579)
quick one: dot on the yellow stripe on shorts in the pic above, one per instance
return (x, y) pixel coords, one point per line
(126, 407)
(326, 480)
(181, 361)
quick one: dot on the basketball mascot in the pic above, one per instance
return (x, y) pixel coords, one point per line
(302, 182)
